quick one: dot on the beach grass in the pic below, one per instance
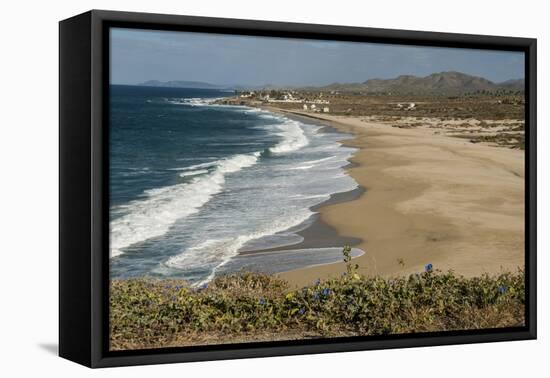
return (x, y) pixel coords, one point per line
(245, 306)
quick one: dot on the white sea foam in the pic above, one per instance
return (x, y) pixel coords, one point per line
(154, 215)
(195, 166)
(234, 144)
(205, 102)
(270, 116)
(197, 158)
(195, 101)
(301, 196)
(319, 160)
(194, 173)
(135, 172)
(300, 167)
(293, 137)
(217, 253)
(309, 164)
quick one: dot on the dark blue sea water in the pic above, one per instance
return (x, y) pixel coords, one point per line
(193, 183)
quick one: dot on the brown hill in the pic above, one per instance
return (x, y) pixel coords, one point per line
(444, 83)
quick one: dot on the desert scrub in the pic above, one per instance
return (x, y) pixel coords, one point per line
(244, 306)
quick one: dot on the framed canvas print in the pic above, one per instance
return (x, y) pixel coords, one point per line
(234, 188)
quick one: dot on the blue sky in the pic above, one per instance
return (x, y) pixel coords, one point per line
(141, 55)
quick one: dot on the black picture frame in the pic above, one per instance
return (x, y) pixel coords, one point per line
(83, 179)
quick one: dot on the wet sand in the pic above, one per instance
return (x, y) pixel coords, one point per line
(428, 199)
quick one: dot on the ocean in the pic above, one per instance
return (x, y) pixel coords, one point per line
(193, 184)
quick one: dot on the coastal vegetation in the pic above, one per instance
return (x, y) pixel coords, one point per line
(448, 95)
(450, 103)
(246, 307)
(480, 106)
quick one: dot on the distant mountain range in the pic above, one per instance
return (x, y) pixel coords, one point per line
(436, 83)
(515, 84)
(183, 84)
(443, 83)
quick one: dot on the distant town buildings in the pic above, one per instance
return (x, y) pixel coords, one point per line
(247, 95)
(276, 96)
(411, 106)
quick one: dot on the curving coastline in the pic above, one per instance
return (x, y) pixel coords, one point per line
(429, 199)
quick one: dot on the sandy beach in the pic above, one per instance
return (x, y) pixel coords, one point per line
(428, 198)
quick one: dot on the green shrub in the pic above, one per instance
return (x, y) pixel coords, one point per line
(247, 306)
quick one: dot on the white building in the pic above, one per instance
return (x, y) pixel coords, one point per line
(319, 101)
(326, 109)
(305, 106)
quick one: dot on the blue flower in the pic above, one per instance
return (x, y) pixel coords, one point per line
(502, 289)
(326, 291)
(301, 312)
(203, 286)
(429, 267)
(262, 301)
(317, 282)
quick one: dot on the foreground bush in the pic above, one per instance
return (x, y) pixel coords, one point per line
(257, 307)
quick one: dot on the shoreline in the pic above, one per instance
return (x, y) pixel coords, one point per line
(315, 232)
(466, 216)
